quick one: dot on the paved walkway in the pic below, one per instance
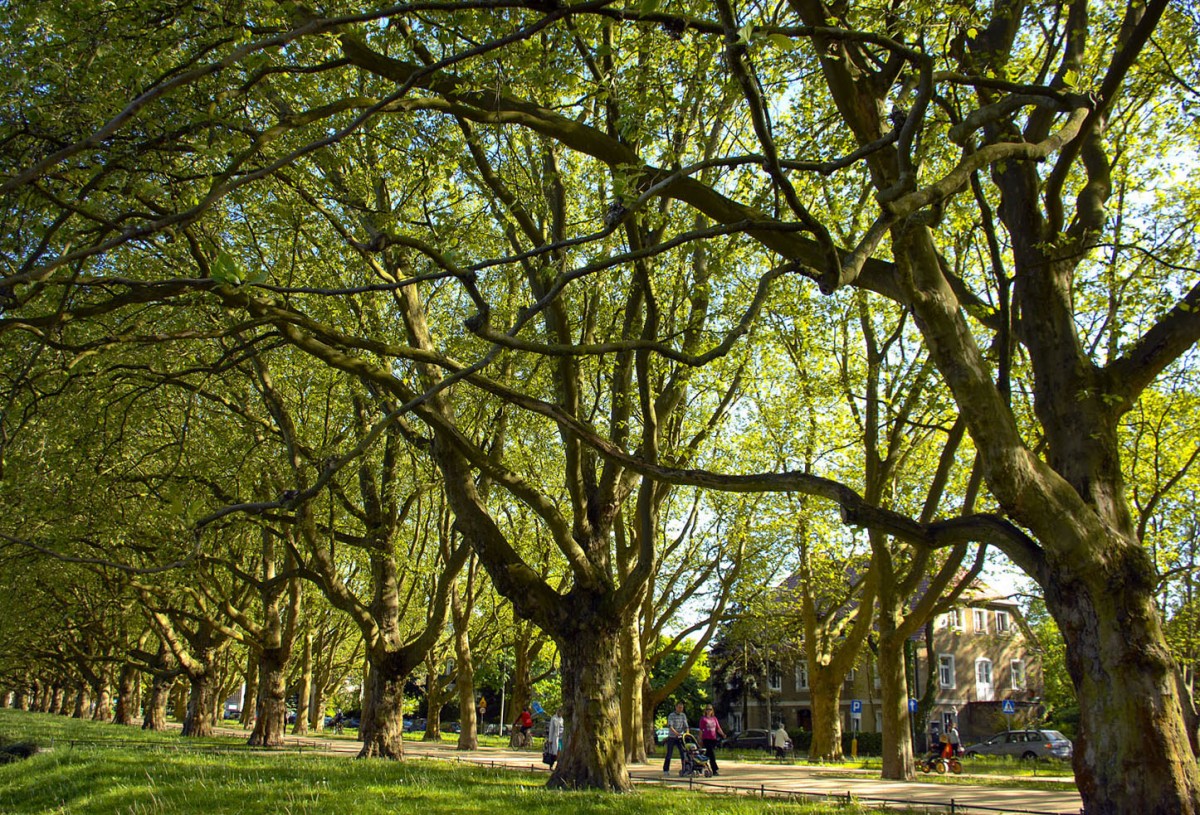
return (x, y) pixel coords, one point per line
(767, 778)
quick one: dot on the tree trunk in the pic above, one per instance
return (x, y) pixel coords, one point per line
(155, 714)
(129, 693)
(522, 686)
(898, 762)
(179, 692)
(198, 720)
(1132, 753)
(52, 699)
(435, 696)
(303, 703)
(593, 755)
(383, 731)
(249, 712)
(826, 696)
(82, 703)
(103, 711)
(633, 714)
(271, 704)
(464, 678)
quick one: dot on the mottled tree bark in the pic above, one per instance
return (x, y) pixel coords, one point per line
(461, 607)
(898, 760)
(383, 733)
(129, 694)
(304, 712)
(271, 725)
(199, 718)
(593, 753)
(825, 686)
(249, 712)
(435, 695)
(1128, 698)
(179, 700)
(633, 680)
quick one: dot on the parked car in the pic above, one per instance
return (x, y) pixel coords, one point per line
(751, 740)
(1024, 744)
(232, 713)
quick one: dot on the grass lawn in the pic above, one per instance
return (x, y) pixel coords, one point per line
(88, 767)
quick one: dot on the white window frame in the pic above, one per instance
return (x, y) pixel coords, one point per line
(1003, 622)
(851, 676)
(1016, 672)
(954, 619)
(802, 674)
(980, 618)
(774, 679)
(946, 668)
(991, 677)
(949, 720)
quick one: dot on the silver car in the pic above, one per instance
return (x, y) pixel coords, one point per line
(1024, 744)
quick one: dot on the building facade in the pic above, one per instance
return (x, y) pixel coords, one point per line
(983, 654)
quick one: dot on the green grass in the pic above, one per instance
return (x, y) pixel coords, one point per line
(88, 767)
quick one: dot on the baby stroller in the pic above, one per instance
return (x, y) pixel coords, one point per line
(695, 760)
(941, 759)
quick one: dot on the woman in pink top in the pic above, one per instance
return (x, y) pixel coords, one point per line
(710, 728)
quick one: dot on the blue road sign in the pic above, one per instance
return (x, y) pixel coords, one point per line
(856, 706)
(538, 709)
(1008, 707)
(912, 705)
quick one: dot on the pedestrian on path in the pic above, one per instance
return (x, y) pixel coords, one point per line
(677, 725)
(554, 737)
(710, 728)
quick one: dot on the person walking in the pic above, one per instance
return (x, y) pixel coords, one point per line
(554, 737)
(677, 725)
(710, 728)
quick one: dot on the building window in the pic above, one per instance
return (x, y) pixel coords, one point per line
(1017, 671)
(948, 721)
(879, 721)
(981, 620)
(1003, 625)
(984, 689)
(952, 619)
(946, 671)
(876, 679)
(851, 675)
(802, 675)
(774, 679)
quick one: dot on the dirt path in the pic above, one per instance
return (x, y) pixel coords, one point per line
(766, 778)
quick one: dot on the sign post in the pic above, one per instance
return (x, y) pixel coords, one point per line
(855, 720)
(1009, 708)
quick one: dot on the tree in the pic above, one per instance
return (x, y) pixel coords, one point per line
(937, 119)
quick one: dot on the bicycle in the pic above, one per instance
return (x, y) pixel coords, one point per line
(520, 739)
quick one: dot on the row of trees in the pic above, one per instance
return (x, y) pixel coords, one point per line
(368, 295)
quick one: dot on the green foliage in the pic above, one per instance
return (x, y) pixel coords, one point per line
(1062, 709)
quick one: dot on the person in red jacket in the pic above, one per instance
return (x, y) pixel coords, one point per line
(525, 721)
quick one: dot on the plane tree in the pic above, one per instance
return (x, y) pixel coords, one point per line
(1019, 114)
